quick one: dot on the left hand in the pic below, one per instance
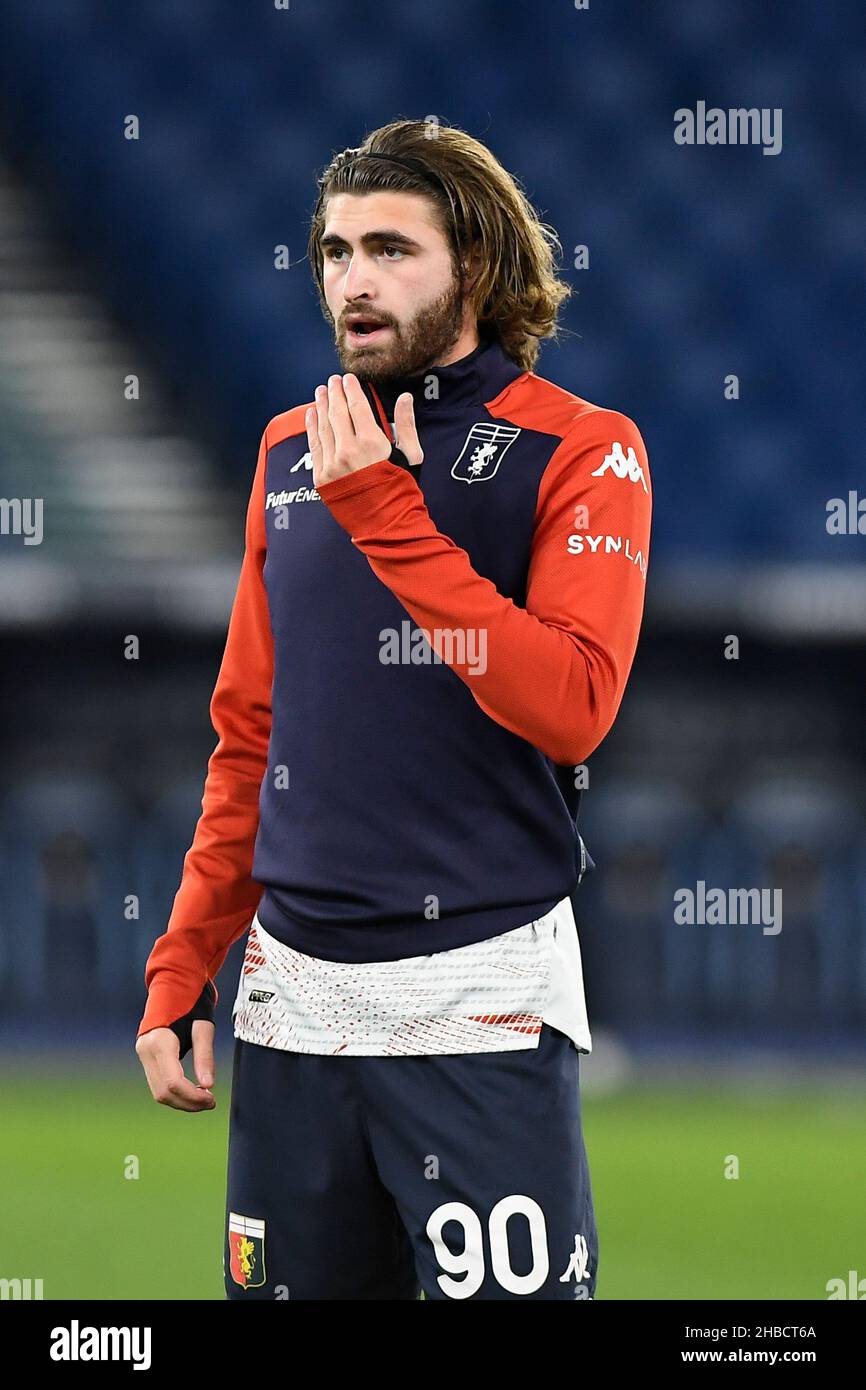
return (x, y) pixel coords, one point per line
(343, 435)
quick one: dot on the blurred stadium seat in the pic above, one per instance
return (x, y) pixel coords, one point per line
(69, 944)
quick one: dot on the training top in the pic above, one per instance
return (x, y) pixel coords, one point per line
(418, 663)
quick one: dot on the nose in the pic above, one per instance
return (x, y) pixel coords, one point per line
(358, 280)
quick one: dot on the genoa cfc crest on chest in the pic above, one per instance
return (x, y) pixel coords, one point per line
(247, 1250)
(482, 453)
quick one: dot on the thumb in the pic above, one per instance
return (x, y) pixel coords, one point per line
(202, 1052)
(405, 429)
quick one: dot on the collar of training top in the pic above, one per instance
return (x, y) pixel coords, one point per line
(478, 377)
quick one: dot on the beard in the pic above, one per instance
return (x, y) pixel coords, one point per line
(413, 347)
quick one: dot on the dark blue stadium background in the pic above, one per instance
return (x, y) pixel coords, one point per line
(156, 256)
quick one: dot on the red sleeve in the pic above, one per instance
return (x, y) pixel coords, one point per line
(555, 670)
(217, 897)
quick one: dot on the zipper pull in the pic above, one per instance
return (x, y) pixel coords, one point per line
(582, 857)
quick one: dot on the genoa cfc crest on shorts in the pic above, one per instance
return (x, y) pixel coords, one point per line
(247, 1250)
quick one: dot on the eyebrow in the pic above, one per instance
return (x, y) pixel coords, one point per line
(388, 234)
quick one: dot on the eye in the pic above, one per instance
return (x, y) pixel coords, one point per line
(332, 252)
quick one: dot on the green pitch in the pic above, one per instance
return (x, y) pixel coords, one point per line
(107, 1195)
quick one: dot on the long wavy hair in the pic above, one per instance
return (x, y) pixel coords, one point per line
(517, 295)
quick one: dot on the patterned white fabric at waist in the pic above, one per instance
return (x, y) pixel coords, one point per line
(490, 996)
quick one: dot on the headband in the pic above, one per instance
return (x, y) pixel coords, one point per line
(414, 166)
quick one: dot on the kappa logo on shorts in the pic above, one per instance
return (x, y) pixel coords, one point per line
(491, 442)
(247, 1250)
(578, 1264)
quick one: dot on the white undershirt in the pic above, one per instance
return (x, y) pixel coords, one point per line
(489, 996)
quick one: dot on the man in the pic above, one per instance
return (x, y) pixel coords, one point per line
(426, 644)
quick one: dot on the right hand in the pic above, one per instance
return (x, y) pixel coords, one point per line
(159, 1053)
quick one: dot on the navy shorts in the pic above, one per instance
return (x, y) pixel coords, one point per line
(464, 1176)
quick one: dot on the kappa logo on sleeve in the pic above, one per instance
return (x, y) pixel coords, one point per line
(247, 1250)
(623, 465)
